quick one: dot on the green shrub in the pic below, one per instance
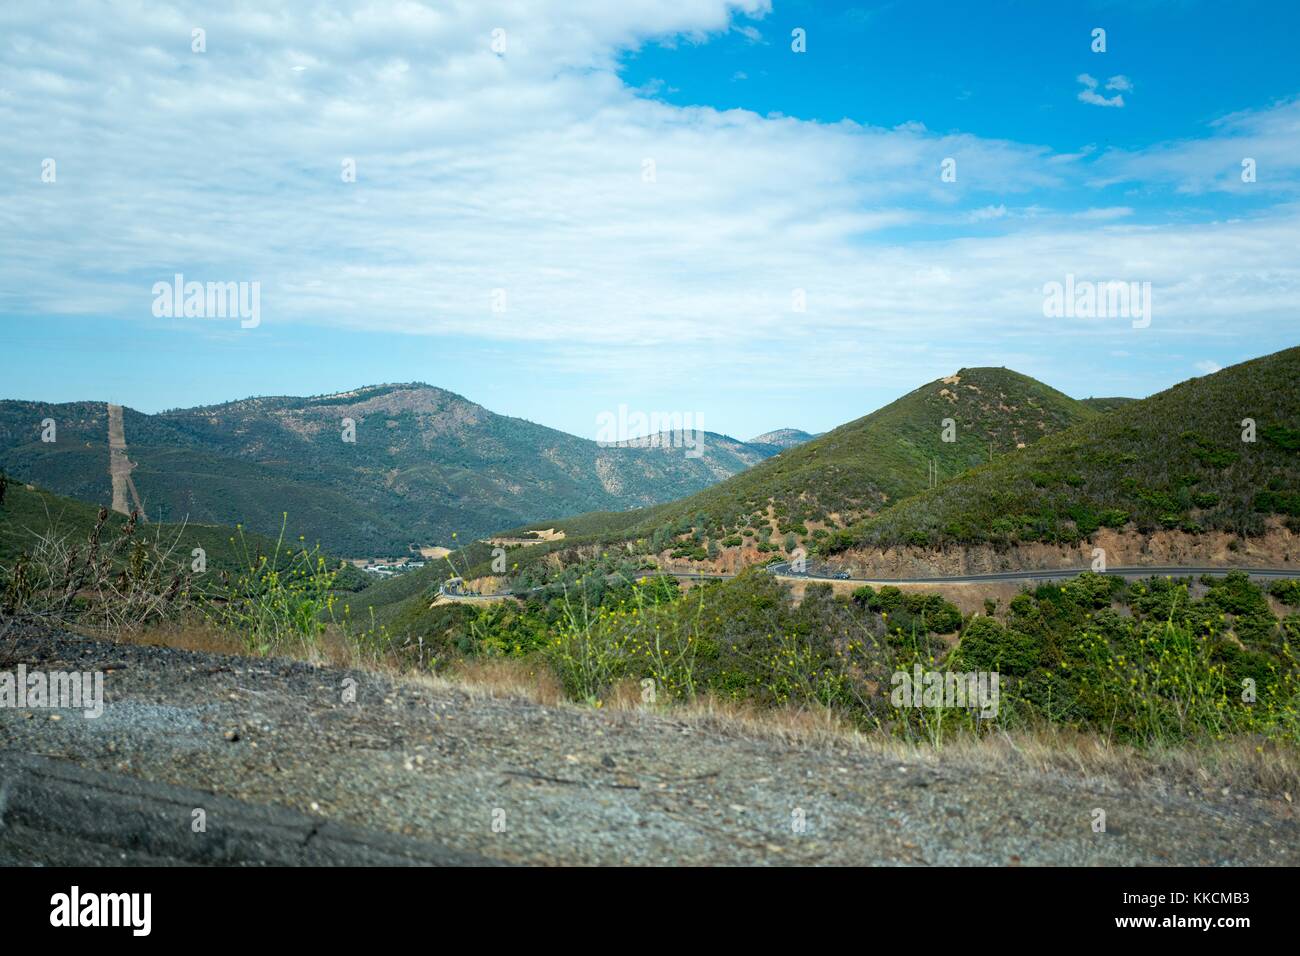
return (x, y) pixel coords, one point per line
(1287, 592)
(988, 646)
(273, 604)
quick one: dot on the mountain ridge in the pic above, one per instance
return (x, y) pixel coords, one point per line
(782, 438)
(424, 463)
(863, 465)
(786, 501)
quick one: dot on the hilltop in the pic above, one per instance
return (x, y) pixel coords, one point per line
(781, 438)
(1106, 404)
(861, 467)
(1186, 460)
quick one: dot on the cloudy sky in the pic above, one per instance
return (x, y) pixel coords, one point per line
(559, 208)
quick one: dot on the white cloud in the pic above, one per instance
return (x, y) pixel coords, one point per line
(1089, 92)
(475, 171)
(1106, 213)
(1208, 367)
(524, 171)
(1269, 136)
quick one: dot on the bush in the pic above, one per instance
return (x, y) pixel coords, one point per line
(988, 646)
(863, 596)
(274, 604)
(1287, 592)
(112, 582)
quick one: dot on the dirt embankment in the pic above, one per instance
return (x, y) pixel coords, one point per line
(1278, 548)
(968, 598)
(548, 534)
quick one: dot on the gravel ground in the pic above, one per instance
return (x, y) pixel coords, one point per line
(511, 781)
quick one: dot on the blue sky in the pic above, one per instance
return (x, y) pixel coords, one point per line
(520, 165)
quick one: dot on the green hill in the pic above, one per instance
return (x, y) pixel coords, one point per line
(1174, 460)
(425, 463)
(29, 511)
(832, 479)
(867, 464)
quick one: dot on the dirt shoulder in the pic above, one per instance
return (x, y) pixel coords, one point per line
(1278, 547)
(513, 781)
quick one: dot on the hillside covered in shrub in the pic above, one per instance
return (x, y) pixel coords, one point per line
(30, 513)
(1148, 661)
(1221, 452)
(419, 463)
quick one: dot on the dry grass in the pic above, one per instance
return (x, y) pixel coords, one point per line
(1251, 765)
(494, 678)
(1243, 765)
(507, 677)
(197, 636)
(205, 637)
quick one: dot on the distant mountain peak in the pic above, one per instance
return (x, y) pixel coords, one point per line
(781, 438)
(367, 470)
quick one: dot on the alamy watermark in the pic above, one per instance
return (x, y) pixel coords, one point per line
(179, 299)
(1084, 299)
(651, 430)
(962, 690)
(53, 690)
(129, 910)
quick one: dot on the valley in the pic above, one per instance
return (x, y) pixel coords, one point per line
(424, 465)
(982, 523)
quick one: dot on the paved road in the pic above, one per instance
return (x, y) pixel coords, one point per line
(1144, 571)
(783, 572)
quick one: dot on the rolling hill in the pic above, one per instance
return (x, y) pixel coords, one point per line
(1165, 461)
(865, 465)
(425, 463)
(1181, 459)
(807, 491)
(28, 511)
